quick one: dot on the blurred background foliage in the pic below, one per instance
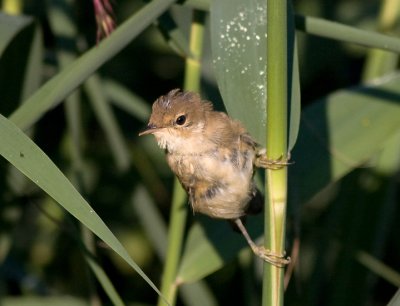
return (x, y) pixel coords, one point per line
(346, 234)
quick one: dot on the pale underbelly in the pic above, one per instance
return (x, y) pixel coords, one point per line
(218, 186)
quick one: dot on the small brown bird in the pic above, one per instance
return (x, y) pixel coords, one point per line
(213, 157)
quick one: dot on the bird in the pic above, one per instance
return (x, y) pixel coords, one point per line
(214, 159)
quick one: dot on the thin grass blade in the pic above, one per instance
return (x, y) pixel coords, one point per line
(127, 100)
(108, 122)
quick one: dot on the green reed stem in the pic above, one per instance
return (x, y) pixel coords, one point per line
(169, 287)
(276, 186)
(380, 62)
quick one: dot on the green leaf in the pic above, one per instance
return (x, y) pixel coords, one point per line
(210, 245)
(293, 83)
(28, 158)
(20, 60)
(238, 41)
(341, 132)
(173, 34)
(196, 294)
(127, 100)
(105, 282)
(198, 4)
(151, 220)
(395, 299)
(33, 68)
(10, 27)
(337, 134)
(108, 122)
(338, 31)
(378, 267)
(43, 301)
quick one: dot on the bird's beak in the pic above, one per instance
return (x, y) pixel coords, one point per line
(150, 129)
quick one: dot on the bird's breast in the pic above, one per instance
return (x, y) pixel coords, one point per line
(219, 180)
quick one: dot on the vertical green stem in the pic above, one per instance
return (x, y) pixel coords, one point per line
(179, 207)
(276, 186)
(12, 7)
(193, 63)
(175, 240)
(379, 62)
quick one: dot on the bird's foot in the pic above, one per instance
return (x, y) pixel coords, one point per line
(278, 260)
(263, 162)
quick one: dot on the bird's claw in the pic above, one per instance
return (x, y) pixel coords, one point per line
(278, 260)
(263, 162)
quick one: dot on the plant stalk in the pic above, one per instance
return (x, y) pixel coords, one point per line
(175, 241)
(276, 184)
(380, 62)
(12, 7)
(169, 286)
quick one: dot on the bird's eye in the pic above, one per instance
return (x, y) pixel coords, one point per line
(180, 120)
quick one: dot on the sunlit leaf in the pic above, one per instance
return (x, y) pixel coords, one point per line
(238, 40)
(238, 36)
